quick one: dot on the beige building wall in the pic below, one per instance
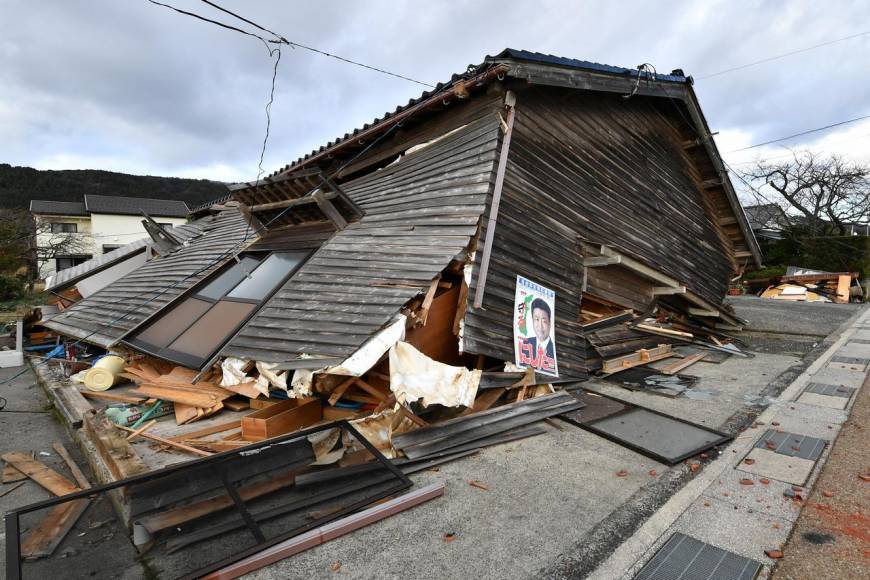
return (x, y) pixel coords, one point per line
(120, 230)
(78, 243)
(94, 232)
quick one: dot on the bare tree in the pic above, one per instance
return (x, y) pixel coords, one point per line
(24, 244)
(825, 194)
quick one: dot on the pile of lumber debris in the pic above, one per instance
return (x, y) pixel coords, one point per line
(624, 340)
(836, 287)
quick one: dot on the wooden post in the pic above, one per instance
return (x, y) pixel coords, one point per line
(510, 101)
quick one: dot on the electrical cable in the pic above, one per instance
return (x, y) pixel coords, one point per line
(231, 251)
(279, 39)
(764, 60)
(816, 130)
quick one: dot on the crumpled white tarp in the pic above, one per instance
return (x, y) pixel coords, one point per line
(372, 350)
(233, 373)
(415, 376)
(379, 430)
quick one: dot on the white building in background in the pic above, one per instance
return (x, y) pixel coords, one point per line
(70, 233)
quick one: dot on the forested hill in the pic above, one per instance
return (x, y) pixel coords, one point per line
(18, 185)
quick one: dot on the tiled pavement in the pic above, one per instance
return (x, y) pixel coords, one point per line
(751, 497)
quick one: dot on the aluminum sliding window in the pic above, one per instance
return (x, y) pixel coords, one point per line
(198, 324)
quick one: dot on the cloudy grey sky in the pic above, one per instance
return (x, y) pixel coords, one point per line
(133, 87)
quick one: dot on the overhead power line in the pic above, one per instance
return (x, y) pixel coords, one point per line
(280, 39)
(816, 130)
(783, 55)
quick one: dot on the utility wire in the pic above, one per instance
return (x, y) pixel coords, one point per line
(279, 39)
(791, 153)
(826, 127)
(233, 250)
(783, 55)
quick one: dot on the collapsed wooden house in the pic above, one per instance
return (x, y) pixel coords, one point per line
(527, 208)
(600, 183)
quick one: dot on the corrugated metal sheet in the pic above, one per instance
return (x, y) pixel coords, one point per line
(420, 213)
(107, 315)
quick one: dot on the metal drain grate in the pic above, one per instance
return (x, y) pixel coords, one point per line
(830, 390)
(685, 558)
(850, 360)
(792, 444)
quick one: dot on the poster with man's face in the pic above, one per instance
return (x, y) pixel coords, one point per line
(534, 327)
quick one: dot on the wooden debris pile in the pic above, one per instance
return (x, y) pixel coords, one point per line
(41, 540)
(625, 340)
(836, 287)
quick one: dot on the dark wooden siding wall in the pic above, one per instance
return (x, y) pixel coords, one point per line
(608, 170)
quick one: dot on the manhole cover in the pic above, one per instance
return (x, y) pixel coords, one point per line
(685, 558)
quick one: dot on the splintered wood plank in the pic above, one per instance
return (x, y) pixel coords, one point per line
(485, 400)
(169, 442)
(112, 397)
(79, 476)
(676, 367)
(245, 389)
(339, 390)
(237, 424)
(40, 473)
(11, 475)
(641, 357)
(44, 539)
(183, 413)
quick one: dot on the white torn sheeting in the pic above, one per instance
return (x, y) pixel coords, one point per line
(415, 376)
(233, 372)
(323, 443)
(379, 430)
(466, 276)
(270, 377)
(302, 384)
(372, 350)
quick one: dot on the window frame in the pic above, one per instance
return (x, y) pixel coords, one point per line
(63, 228)
(191, 361)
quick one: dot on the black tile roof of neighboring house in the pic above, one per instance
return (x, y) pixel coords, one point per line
(57, 207)
(107, 315)
(135, 206)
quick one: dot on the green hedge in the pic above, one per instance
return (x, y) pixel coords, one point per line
(830, 253)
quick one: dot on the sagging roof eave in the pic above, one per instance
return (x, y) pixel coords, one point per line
(702, 128)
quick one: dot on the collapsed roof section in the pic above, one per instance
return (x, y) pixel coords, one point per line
(106, 316)
(421, 213)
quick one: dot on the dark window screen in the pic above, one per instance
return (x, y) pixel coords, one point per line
(229, 278)
(210, 331)
(167, 328)
(267, 275)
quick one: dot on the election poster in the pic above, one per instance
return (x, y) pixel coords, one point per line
(534, 327)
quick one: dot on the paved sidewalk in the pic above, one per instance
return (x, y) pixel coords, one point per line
(832, 535)
(747, 501)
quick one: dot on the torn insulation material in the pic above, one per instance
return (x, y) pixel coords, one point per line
(415, 377)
